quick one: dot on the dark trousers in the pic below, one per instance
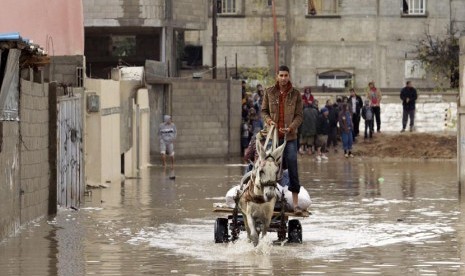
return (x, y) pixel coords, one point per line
(332, 137)
(377, 113)
(408, 113)
(290, 163)
(356, 122)
(369, 128)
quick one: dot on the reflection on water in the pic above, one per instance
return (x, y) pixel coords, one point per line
(389, 218)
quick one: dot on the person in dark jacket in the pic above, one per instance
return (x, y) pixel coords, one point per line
(322, 131)
(367, 115)
(408, 95)
(345, 123)
(355, 104)
(308, 129)
(333, 113)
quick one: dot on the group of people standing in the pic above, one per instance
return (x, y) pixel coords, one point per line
(252, 121)
(297, 117)
(322, 128)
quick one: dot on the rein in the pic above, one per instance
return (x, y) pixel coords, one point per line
(250, 196)
(248, 190)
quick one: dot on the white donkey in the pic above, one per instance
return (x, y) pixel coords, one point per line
(259, 195)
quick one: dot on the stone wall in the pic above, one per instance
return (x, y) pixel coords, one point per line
(208, 125)
(35, 170)
(435, 112)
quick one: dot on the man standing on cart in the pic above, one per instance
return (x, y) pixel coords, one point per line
(282, 107)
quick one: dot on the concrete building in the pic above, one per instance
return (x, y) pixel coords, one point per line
(337, 43)
(130, 32)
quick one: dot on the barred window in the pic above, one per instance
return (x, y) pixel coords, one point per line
(226, 6)
(414, 7)
(322, 7)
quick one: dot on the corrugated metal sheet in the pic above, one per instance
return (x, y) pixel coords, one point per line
(70, 190)
(9, 92)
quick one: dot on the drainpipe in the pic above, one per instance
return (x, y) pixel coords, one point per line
(275, 32)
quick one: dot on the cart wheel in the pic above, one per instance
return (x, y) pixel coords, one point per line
(221, 230)
(294, 232)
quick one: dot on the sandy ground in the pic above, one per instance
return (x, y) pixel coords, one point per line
(408, 145)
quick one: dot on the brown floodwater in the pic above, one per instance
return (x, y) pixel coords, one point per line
(369, 217)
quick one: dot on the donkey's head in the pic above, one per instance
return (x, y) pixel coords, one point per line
(266, 171)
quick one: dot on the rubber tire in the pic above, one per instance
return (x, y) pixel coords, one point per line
(294, 231)
(221, 230)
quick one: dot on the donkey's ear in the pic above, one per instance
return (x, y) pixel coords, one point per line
(260, 150)
(278, 153)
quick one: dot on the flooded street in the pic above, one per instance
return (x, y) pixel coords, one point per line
(375, 218)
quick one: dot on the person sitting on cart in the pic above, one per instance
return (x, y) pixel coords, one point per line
(251, 154)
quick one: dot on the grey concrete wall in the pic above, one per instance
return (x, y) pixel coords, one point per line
(24, 161)
(34, 161)
(63, 69)
(190, 14)
(9, 179)
(201, 112)
(186, 14)
(123, 13)
(158, 107)
(208, 124)
(369, 38)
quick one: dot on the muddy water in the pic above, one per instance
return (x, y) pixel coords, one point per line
(375, 218)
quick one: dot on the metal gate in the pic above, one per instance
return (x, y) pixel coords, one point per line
(70, 190)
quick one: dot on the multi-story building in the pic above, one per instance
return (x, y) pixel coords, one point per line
(130, 32)
(336, 43)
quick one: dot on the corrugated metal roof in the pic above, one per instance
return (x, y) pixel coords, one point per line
(19, 42)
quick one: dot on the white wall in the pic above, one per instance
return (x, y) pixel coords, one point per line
(102, 134)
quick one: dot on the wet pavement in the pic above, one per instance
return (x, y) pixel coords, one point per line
(369, 217)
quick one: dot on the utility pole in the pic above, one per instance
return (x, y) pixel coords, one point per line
(461, 123)
(214, 37)
(275, 35)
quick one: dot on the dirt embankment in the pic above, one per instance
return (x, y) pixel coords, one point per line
(408, 145)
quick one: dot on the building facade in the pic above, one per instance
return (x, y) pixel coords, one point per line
(121, 33)
(332, 43)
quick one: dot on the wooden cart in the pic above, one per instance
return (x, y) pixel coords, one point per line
(228, 228)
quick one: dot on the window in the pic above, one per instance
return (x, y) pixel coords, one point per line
(335, 79)
(414, 69)
(270, 3)
(414, 7)
(322, 7)
(226, 6)
(192, 56)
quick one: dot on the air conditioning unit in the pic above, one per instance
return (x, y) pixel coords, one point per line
(197, 75)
